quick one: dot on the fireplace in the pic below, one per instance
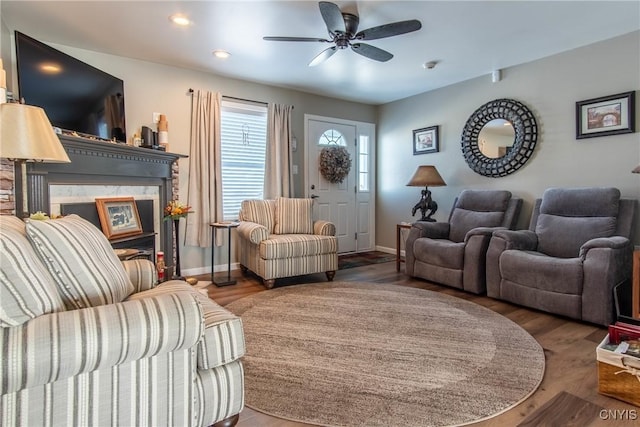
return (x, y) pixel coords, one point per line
(103, 169)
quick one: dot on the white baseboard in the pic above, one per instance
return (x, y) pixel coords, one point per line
(207, 269)
(389, 250)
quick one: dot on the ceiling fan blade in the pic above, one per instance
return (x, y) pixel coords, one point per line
(371, 52)
(332, 17)
(294, 39)
(323, 56)
(389, 30)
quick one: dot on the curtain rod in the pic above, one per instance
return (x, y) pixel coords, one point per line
(238, 99)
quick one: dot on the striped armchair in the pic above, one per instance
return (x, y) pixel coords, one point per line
(278, 238)
(89, 340)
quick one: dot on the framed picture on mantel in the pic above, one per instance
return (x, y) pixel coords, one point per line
(119, 217)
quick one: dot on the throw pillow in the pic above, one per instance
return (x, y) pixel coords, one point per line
(27, 288)
(259, 211)
(294, 216)
(85, 267)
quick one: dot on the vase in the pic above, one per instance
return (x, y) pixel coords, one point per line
(176, 232)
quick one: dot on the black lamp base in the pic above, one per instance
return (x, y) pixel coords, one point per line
(426, 205)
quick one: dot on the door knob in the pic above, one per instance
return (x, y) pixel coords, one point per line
(313, 196)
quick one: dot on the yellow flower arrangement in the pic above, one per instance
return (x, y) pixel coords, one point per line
(175, 210)
(40, 216)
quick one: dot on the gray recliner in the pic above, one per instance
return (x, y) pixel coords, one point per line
(576, 250)
(453, 252)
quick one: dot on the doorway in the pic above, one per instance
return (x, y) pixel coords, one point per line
(348, 204)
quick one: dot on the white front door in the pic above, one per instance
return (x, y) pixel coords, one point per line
(335, 202)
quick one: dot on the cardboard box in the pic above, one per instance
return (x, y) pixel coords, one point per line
(618, 374)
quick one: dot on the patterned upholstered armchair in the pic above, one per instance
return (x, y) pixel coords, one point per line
(278, 238)
(88, 340)
(453, 253)
(577, 248)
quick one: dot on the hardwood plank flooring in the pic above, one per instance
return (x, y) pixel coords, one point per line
(569, 390)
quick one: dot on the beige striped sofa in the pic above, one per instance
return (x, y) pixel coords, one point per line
(87, 340)
(279, 238)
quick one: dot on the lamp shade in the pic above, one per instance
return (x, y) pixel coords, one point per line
(26, 134)
(426, 175)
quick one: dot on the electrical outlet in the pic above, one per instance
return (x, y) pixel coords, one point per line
(294, 169)
(156, 117)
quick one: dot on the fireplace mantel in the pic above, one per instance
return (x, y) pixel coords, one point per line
(103, 163)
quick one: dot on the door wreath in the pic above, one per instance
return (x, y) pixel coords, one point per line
(335, 163)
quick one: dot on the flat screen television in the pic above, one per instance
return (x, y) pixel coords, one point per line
(76, 96)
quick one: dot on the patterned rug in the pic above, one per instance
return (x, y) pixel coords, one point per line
(363, 258)
(364, 354)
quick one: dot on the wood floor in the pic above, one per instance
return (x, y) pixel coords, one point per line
(568, 395)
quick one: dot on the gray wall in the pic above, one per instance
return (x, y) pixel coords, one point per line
(550, 87)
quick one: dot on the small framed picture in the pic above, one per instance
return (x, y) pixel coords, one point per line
(425, 140)
(608, 115)
(118, 217)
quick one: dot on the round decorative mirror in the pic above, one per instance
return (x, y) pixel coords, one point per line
(499, 137)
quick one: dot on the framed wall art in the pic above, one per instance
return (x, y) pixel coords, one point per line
(426, 140)
(118, 217)
(607, 115)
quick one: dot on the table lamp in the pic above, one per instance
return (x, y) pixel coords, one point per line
(26, 135)
(426, 176)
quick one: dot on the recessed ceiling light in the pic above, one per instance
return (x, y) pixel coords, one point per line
(180, 19)
(222, 54)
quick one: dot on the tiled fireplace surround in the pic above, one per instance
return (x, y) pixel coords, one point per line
(103, 169)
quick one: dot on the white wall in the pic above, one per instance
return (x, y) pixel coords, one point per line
(550, 87)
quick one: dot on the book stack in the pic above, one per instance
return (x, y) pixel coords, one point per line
(624, 338)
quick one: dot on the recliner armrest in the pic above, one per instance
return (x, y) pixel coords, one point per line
(613, 242)
(432, 230)
(65, 344)
(523, 240)
(324, 228)
(253, 232)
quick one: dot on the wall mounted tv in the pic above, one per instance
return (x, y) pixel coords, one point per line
(76, 96)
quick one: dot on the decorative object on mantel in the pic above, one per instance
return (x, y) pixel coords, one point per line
(636, 169)
(426, 175)
(607, 115)
(174, 211)
(3, 84)
(118, 217)
(335, 163)
(26, 135)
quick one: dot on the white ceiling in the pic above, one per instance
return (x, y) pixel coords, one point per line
(467, 38)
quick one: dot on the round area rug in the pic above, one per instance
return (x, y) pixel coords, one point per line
(365, 354)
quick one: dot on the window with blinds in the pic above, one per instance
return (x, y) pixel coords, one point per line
(244, 139)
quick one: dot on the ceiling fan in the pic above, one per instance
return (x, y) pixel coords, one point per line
(343, 30)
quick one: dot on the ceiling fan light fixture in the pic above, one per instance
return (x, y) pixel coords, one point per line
(221, 54)
(180, 19)
(343, 30)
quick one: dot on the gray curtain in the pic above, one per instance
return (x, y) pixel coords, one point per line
(205, 173)
(277, 173)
